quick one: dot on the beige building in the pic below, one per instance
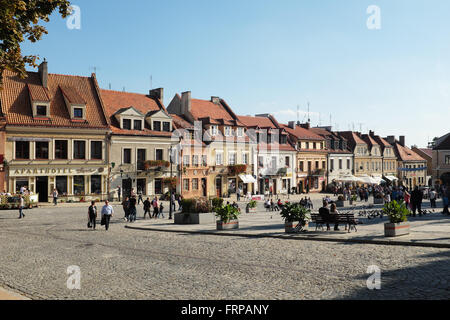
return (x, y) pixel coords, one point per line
(441, 161)
(361, 153)
(140, 142)
(55, 133)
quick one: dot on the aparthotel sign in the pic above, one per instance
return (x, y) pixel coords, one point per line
(55, 171)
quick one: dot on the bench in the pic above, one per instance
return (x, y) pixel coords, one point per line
(342, 218)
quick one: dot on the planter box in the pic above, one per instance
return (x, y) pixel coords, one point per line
(194, 218)
(378, 201)
(341, 203)
(250, 210)
(396, 229)
(289, 227)
(233, 224)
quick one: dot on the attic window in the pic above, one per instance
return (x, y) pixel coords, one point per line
(78, 113)
(126, 124)
(41, 111)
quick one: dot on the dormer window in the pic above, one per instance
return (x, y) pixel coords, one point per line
(213, 130)
(137, 124)
(166, 126)
(78, 113)
(156, 125)
(41, 111)
(227, 131)
(240, 132)
(126, 124)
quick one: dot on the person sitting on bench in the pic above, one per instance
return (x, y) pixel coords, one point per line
(324, 212)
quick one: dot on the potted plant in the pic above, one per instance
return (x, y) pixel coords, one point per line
(228, 217)
(353, 198)
(378, 198)
(294, 214)
(398, 223)
(251, 206)
(216, 203)
(195, 211)
(340, 202)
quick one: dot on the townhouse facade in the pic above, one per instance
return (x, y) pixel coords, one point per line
(139, 143)
(361, 153)
(55, 135)
(441, 161)
(276, 157)
(231, 154)
(427, 154)
(389, 159)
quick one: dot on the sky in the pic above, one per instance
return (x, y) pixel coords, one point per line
(272, 56)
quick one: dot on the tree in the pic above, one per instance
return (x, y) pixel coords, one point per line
(19, 21)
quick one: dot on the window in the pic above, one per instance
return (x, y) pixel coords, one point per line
(158, 186)
(141, 159)
(157, 125)
(204, 161)
(314, 145)
(61, 185)
(126, 124)
(41, 150)
(21, 183)
(309, 166)
(22, 150)
(213, 130)
(60, 149)
(232, 158)
(245, 158)
(307, 145)
(195, 184)
(195, 161)
(340, 164)
(348, 163)
(287, 162)
(96, 150)
(447, 159)
(79, 149)
(261, 162)
(316, 165)
(301, 166)
(186, 184)
(137, 125)
(219, 158)
(41, 111)
(141, 186)
(332, 164)
(96, 184)
(159, 154)
(166, 126)
(78, 185)
(283, 139)
(227, 131)
(127, 156)
(240, 132)
(78, 113)
(324, 165)
(186, 161)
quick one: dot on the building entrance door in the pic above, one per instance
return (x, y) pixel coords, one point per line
(219, 187)
(42, 188)
(126, 187)
(204, 192)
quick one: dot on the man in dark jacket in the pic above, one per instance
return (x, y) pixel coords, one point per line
(132, 209)
(416, 201)
(324, 213)
(147, 205)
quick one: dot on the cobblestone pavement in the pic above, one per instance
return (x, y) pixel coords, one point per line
(35, 253)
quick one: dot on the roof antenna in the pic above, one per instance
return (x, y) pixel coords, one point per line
(309, 119)
(123, 90)
(151, 82)
(298, 114)
(109, 85)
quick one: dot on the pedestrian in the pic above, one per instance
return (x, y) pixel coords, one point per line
(432, 197)
(140, 197)
(238, 194)
(173, 201)
(147, 205)
(119, 192)
(180, 198)
(132, 193)
(55, 196)
(310, 204)
(416, 201)
(445, 198)
(161, 208)
(92, 215)
(107, 213)
(126, 207)
(132, 209)
(155, 207)
(21, 206)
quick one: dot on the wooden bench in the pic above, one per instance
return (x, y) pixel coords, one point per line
(342, 218)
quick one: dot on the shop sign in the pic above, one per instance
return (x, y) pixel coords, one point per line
(24, 172)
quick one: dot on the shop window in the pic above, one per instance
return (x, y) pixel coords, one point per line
(61, 185)
(60, 149)
(96, 150)
(78, 185)
(79, 150)
(96, 184)
(20, 184)
(22, 150)
(41, 150)
(141, 186)
(158, 186)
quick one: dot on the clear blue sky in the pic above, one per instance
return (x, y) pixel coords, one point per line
(270, 56)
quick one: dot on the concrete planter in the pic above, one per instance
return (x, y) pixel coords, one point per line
(341, 203)
(194, 218)
(378, 201)
(233, 224)
(289, 227)
(396, 229)
(250, 210)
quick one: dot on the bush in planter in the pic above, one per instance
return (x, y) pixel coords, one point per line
(396, 211)
(227, 213)
(293, 212)
(200, 205)
(341, 198)
(217, 203)
(353, 197)
(252, 204)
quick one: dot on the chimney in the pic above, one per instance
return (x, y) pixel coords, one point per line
(43, 73)
(186, 102)
(402, 141)
(305, 125)
(215, 100)
(390, 139)
(291, 124)
(157, 94)
(371, 133)
(263, 115)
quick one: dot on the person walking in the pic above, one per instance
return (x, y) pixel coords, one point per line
(140, 197)
(238, 194)
(180, 198)
(155, 207)
(161, 208)
(147, 205)
(173, 201)
(432, 196)
(126, 207)
(21, 206)
(55, 196)
(107, 213)
(445, 199)
(416, 201)
(92, 215)
(132, 208)
(119, 192)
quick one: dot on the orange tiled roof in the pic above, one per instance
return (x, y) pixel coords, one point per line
(302, 133)
(406, 154)
(16, 104)
(261, 122)
(215, 113)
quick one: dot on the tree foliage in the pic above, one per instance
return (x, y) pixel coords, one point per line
(19, 21)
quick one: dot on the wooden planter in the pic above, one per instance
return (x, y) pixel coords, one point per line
(396, 229)
(194, 218)
(378, 201)
(341, 203)
(233, 224)
(289, 227)
(250, 210)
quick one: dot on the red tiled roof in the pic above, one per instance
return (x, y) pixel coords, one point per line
(16, 105)
(426, 151)
(217, 113)
(349, 135)
(72, 95)
(180, 122)
(302, 133)
(406, 154)
(261, 122)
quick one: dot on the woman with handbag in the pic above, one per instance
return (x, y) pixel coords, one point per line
(92, 215)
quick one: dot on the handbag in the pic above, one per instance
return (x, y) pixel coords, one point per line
(89, 225)
(103, 222)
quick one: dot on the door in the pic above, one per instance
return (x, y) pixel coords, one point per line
(204, 187)
(42, 188)
(219, 187)
(126, 187)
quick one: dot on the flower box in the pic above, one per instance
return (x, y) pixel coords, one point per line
(233, 224)
(396, 229)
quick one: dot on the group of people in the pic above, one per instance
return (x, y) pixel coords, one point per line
(106, 214)
(129, 208)
(272, 206)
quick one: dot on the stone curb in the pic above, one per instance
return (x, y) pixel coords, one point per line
(299, 237)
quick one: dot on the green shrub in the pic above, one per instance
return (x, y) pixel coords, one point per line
(199, 205)
(292, 212)
(227, 213)
(397, 211)
(252, 204)
(217, 203)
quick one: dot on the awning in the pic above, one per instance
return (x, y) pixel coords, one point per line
(349, 178)
(378, 180)
(391, 178)
(246, 178)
